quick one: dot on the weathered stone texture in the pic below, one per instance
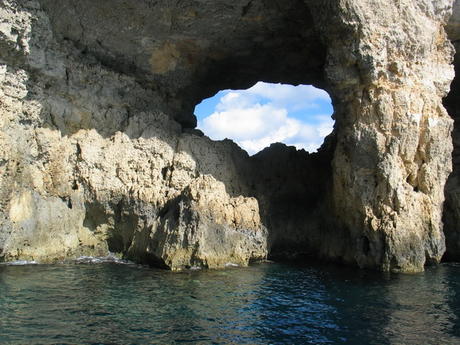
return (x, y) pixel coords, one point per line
(97, 150)
(393, 148)
(90, 161)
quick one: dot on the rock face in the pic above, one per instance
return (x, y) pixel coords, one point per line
(98, 151)
(90, 162)
(393, 138)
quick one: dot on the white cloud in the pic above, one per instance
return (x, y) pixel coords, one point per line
(236, 100)
(244, 123)
(259, 116)
(289, 96)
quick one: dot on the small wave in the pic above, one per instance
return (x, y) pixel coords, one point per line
(110, 258)
(231, 264)
(20, 263)
(195, 268)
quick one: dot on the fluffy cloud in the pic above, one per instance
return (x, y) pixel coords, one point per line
(268, 113)
(289, 96)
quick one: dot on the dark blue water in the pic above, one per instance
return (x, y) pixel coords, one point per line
(262, 304)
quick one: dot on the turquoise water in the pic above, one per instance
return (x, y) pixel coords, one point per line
(262, 304)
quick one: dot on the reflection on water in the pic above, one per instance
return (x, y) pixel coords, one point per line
(421, 304)
(262, 304)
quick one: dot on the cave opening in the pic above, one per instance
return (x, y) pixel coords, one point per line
(267, 113)
(175, 68)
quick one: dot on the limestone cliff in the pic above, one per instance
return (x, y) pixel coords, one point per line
(98, 151)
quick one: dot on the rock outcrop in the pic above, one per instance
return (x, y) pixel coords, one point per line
(90, 162)
(98, 150)
(393, 134)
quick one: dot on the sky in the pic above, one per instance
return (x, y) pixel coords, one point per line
(266, 113)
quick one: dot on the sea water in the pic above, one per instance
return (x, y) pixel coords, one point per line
(94, 302)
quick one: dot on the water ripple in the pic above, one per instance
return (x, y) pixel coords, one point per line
(109, 303)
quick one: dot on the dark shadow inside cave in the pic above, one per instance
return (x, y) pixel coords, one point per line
(451, 215)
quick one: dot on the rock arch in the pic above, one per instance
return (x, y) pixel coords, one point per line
(99, 148)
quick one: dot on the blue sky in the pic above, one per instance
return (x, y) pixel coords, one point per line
(266, 113)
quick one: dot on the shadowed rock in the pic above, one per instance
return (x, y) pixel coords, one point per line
(452, 103)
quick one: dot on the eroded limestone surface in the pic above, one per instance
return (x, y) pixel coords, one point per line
(98, 150)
